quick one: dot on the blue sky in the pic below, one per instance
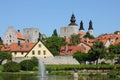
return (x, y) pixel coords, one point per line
(48, 15)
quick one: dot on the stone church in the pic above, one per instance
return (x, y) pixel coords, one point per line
(72, 28)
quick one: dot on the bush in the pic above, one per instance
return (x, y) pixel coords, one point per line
(112, 74)
(34, 61)
(26, 65)
(11, 67)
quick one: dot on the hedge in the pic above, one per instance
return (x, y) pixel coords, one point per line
(80, 67)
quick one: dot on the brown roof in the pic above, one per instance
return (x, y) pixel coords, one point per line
(19, 35)
(70, 50)
(24, 47)
(81, 33)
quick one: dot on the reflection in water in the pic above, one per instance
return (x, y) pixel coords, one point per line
(29, 77)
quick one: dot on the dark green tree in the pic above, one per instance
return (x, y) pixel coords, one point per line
(81, 57)
(1, 41)
(55, 33)
(114, 52)
(87, 35)
(97, 51)
(26, 65)
(75, 39)
(117, 32)
(11, 67)
(54, 44)
(34, 61)
(4, 56)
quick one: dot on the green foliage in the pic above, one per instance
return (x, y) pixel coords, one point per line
(55, 33)
(112, 74)
(75, 39)
(54, 44)
(34, 61)
(116, 32)
(80, 57)
(4, 55)
(26, 65)
(114, 49)
(97, 51)
(11, 67)
(87, 35)
(80, 67)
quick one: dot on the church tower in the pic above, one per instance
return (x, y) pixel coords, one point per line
(81, 26)
(90, 29)
(72, 20)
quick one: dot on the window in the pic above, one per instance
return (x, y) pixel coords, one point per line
(44, 52)
(39, 52)
(15, 53)
(39, 45)
(33, 52)
(10, 41)
(22, 53)
(10, 36)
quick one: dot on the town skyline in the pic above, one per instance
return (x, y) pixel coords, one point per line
(49, 15)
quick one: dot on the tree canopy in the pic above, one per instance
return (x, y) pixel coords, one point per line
(55, 33)
(97, 51)
(75, 39)
(80, 57)
(87, 35)
(4, 55)
(54, 44)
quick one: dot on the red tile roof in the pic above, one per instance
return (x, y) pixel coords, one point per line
(81, 33)
(20, 36)
(24, 47)
(70, 50)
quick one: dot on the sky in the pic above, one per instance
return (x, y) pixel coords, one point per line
(48, 15)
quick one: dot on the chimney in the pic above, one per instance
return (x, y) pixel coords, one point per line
(18, 43)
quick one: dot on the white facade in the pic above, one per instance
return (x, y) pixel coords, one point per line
(31, 34)
(10, 36)
(90, 32)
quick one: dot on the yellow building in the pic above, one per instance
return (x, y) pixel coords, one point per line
(27, 50)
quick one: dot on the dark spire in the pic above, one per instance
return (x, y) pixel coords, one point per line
(81, 26)
(90, 25)
(72, 20)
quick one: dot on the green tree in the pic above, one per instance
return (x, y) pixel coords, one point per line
(114, 51)
(75, 39)
(34, 61)
(11, 67)
(54, 44)
(87, 35)
(117, 32)
(55, 33)
(97, 51)
(26, 65)
(1, 41)
(4, 56)
(81, 57)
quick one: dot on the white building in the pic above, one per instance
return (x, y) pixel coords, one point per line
(12, 36)
(72, 28)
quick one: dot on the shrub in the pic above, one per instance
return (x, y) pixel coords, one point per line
(34, 61)
(11, 67)
(112, 74)
(26, 65)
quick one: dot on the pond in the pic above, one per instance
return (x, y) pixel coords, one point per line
(29, 77)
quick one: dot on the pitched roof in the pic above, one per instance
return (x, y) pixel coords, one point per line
(24, 47)
(19, 35)
(70, 50)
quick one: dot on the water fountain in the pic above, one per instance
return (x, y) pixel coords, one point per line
(42, 70)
